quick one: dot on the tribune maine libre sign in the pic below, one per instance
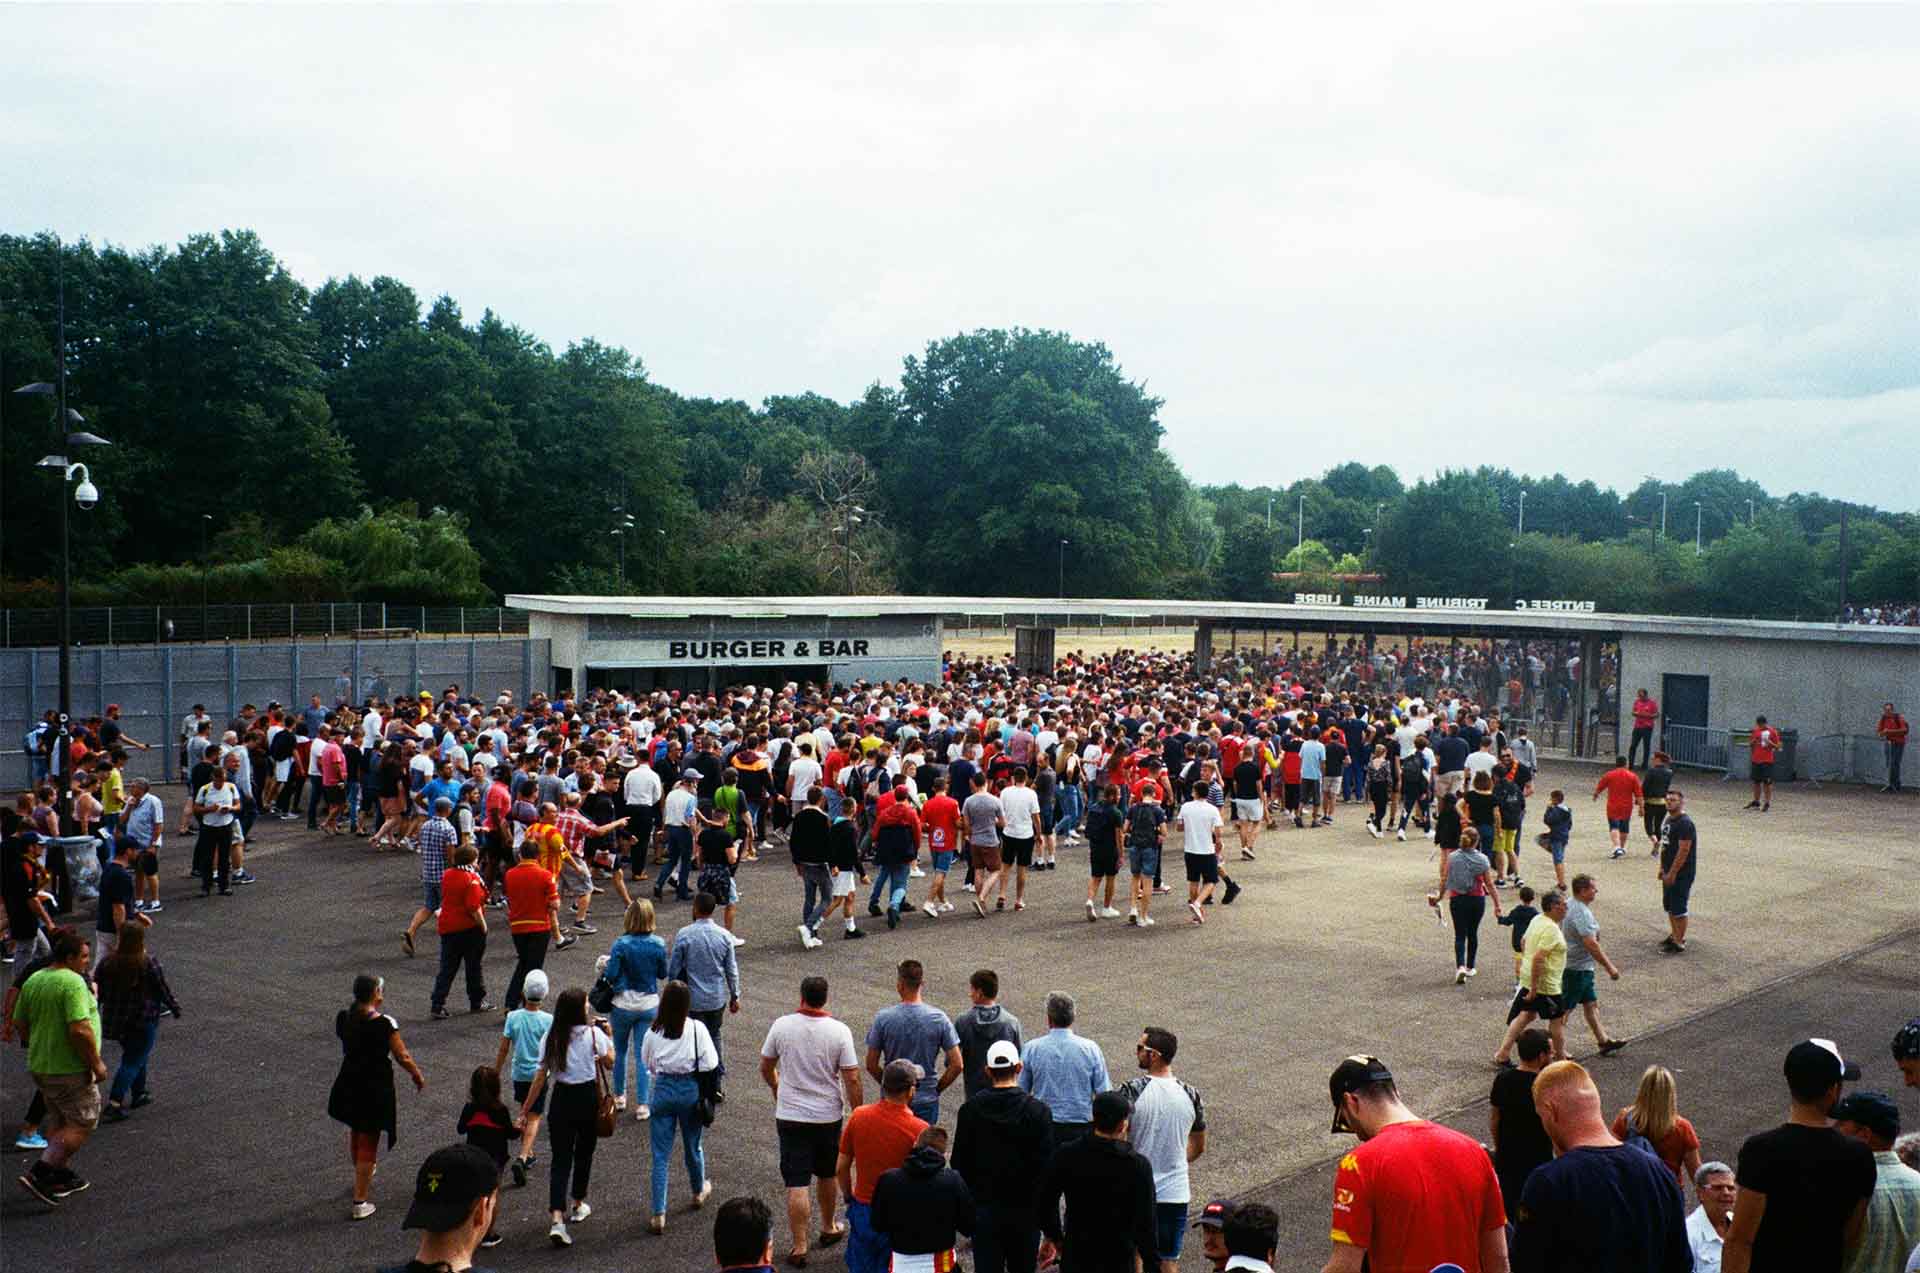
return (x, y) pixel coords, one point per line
(1435, 603)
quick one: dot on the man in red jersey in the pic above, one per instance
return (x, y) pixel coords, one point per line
(1413, 1196)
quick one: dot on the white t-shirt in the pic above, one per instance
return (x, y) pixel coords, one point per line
(642, 786)
(1481, 762)
(1020, 807)
(805, 774)
(585, 1043)
(662, 1055)
(811, 1051)
(223, 800)
(1165, 1112)
(1199, 820)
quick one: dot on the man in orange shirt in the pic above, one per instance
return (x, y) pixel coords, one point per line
(1622, 788)
(877, 1139)
(1761, 752)
(463, 932)
(533, 917)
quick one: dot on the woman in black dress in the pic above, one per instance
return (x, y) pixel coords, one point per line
(362, 1095)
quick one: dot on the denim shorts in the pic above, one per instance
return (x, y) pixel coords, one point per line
(1170, 1228)
(430, 894)
(1143, 859)
(942, 863)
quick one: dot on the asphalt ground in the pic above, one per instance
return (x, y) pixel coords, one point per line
(1805, 923)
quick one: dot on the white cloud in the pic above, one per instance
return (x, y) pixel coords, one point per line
(1419, 235)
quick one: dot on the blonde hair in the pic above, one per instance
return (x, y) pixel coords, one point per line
(640, 916)
(1562, 1074)
(1655, 1107)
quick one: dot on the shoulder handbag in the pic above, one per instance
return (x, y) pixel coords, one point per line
(707, 1106)
(606, 1117)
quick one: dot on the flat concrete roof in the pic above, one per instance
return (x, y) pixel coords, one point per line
(1043, 611)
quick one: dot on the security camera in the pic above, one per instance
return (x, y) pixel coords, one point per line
(86, 495)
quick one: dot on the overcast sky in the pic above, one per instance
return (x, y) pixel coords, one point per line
(1610, 242)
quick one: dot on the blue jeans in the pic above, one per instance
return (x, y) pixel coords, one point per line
(1069, 820)
(819, 891)
(896, 890)
(673, 1100)
(1353, 780)
(680, 850)
(353, 804)
(835, 798)
(630, 1025)
(867, 1251)
(135, 1052)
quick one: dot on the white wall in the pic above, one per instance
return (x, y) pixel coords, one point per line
(1816, 687)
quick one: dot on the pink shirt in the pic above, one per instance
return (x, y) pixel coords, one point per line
(333, 765)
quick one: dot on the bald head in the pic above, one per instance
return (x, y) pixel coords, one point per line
(1569, 1106)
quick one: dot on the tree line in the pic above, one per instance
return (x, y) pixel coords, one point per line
(273, 442)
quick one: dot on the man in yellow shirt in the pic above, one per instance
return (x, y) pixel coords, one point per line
(1543, 962)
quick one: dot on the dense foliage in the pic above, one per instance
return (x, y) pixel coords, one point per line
(351, 442)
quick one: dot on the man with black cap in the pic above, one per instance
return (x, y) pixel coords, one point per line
(454, 1197)
(1803, 1187)
(1413, 1194)
(1906, 1051)
(1893, 1213)
(1108, 1190)
(1212, 1225)
(1001, 1135)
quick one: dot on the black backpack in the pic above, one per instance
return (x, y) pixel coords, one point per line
(1141, 823)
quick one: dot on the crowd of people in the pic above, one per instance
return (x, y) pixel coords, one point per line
(906, 803)
(1892, 614)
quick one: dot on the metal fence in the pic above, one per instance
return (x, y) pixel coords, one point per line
(1695, 746)
(157, 685)
(155, 625)
(1846, 758)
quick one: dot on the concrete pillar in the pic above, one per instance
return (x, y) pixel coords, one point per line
(1202, 646)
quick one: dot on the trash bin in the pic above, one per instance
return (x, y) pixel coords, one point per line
(81, 853)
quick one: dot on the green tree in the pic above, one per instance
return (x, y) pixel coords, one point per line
(1448, 537)
(1246, 561)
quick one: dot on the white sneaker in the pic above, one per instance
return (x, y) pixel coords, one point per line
(1473, 972)
(739, 942)
(932, 911)
(706, 1191)
(1107, 912)
(916, 874)
(558, 1234)
(579, 1212)
(361, 1210)
(946, 908)
(1146, 921)
(1459, 976)
(1133, 916)
(966, 888)
(1092, 912)
(1373, 831)
(1401, 835)
(807, 940)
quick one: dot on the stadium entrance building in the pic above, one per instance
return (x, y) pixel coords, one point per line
(1822, 682)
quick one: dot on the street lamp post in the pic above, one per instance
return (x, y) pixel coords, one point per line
(206, 520)
(622, 523)
(1269, 512)
(1663, 514)
(1063, 569)
(1521, 529)
(1749, 512)
(850, 517)
(86, 495)
(1300, 528)
(1696, 528)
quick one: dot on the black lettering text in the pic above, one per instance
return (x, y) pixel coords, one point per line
(860, 649)
(676, 649)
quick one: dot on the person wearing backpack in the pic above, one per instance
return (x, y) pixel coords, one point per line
(1146, 831)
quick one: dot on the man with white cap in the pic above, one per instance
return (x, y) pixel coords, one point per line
(1803, 1187)
(1001, 1137)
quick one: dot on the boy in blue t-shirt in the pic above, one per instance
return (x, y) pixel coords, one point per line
(523, 1037)
(1554, 839)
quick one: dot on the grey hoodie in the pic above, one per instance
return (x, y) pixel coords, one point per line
(980, 1028)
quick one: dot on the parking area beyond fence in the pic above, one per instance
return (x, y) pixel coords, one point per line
(157, 686)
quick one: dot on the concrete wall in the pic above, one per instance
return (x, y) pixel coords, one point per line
(904, 645)
(1816, 687)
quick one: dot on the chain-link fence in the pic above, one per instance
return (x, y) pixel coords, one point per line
(157, 686)
(157, 625)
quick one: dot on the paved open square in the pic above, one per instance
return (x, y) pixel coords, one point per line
(1805, 923)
